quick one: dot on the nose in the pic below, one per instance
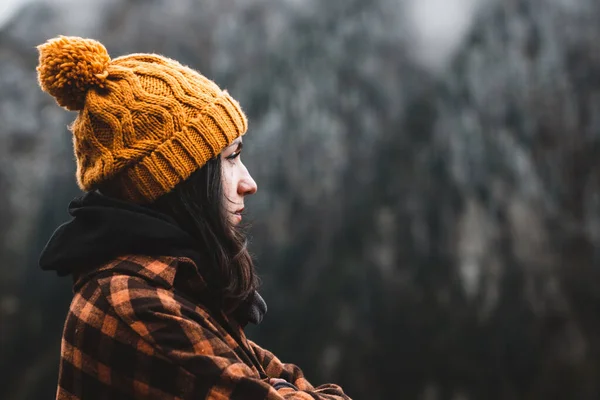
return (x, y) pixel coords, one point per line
(247, 185)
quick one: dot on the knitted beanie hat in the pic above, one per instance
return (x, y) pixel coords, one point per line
(145, 122)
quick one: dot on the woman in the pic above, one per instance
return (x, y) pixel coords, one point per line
(163, 282)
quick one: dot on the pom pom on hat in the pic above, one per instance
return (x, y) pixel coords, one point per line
(69, 67)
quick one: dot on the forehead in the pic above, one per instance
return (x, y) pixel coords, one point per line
(236, 142)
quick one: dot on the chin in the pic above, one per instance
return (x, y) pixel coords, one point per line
(235, 219)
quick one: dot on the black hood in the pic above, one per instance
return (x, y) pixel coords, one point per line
(104, 228)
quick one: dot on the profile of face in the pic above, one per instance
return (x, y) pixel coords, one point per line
(237, 182)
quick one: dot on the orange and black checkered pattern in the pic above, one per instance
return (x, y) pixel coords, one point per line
(131, 333)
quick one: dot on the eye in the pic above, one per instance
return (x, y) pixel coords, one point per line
(234, 155)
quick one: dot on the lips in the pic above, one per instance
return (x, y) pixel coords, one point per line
(238, 214)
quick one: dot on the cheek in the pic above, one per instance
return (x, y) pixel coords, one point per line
(229, 181)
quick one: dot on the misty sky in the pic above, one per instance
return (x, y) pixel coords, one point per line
(436, 25)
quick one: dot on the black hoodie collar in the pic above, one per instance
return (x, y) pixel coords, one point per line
(104, 228)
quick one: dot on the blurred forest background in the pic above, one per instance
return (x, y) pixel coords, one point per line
(427, 224)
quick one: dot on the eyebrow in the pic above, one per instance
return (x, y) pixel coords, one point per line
(239, 143)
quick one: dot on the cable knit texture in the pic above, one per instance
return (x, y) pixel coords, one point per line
(145, 122)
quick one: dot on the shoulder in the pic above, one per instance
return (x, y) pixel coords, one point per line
(137, 285)
(139, 291)
(136, 288)
(158, 271)
(125, 290)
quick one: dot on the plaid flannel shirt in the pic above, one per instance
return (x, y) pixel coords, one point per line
(131, 333)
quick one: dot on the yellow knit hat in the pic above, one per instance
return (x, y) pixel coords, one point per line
(145, 122)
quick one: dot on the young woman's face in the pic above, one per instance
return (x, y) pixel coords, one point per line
(237, 182)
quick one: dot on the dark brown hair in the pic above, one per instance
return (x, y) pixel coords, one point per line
(197, 205)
